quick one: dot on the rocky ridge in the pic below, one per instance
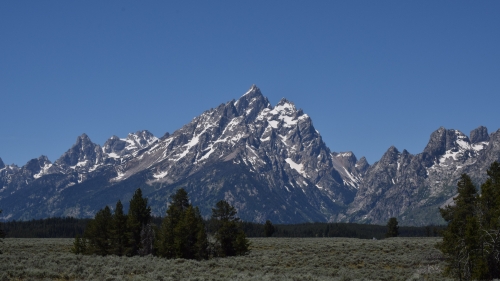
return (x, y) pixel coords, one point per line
(269, 162)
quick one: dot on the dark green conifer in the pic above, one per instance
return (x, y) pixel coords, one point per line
(166, 237)
(98, 233)
(230, 239)
(79, 245)
(182, 233)
(489, 205)
(269, 229)
(2, 233)
(119, 231)
(392, 228)
(139, 215)
(458, 237)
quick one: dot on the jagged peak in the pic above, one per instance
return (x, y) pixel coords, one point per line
(142, 133)
(251, 102)
(252, 92)
(362, 164)
(444, 139)
(391, 154)
(252, 89)
(284, 106)
(405, 152)
(479, 134)
(43, 158)
(362, 161)
(2, 165)
(83, 138)
(284, 101)
(393, 149)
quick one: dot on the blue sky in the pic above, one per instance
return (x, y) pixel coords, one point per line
(371, 74)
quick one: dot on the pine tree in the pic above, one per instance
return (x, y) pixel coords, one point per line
(147, 240)
(79, 245)
(458, 244)
(392, 228)
(139, 215)
(166, 238)
(98, 233)
(230, 238)
(269, 229)
(119, 231)
(182, 233)
(2, 233)
(187, 235)
(489, 205)
(201, 244)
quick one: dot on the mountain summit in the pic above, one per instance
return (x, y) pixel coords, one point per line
(267, 161)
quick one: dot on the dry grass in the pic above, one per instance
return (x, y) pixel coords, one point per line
(270, 259)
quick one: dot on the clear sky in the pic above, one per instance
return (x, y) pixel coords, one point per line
(371, 74)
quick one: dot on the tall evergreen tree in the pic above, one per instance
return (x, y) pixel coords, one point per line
(489, 205)
(147, 240)
(98, 233)
(79, 245)
(392, 228)
(139, 215)
(458, 238)
(2, 233)
(119, 231)
(268, 229)
(182, 233)
(179, 202)
(230, 238)
(189, 241)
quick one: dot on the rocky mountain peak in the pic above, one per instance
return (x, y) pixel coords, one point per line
(347, 157)
(479, 134)
(390, 156)
(114, 145)
(362, 165)
(443, 140)
(83, 139)
(2, 165)
(251, 103)
(84, 153)
(37, 167)
(141, 139)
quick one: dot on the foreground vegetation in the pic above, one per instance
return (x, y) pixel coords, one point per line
(182, 233)
(269, 259)
(471, 241)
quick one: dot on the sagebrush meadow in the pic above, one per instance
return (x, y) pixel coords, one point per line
(269, 259)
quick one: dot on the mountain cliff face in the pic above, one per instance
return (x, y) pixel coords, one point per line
(413, 187)
(269, 162)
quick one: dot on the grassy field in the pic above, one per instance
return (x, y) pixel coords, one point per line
(270, 259)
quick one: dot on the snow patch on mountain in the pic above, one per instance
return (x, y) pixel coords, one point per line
(297, 167)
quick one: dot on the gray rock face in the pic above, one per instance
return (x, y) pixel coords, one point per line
(413, 187)
(268, 161)
(82, 156)
(479, 134)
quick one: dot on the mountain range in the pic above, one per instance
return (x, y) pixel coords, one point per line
(267, 161)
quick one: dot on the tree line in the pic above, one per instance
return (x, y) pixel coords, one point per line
(2, 233)
(471, 241)
(182, 233)
(348, 230)
(69, 227)
(66, 227)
